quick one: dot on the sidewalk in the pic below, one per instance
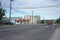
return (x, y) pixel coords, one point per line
(56, 35)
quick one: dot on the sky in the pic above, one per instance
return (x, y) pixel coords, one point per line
(22, 8)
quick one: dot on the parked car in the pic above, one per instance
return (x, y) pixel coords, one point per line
(6, 22)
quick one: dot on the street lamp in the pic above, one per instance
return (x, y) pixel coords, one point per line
(10, 10)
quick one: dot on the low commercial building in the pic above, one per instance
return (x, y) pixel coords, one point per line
(22, 21)
(33, 19)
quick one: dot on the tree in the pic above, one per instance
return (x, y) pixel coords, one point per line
(2, 13)
(42, 21)
(58, 21)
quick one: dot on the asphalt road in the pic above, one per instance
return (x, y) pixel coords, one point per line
(26, 32)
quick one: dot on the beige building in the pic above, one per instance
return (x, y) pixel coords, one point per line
(33, 19)
(22, 21)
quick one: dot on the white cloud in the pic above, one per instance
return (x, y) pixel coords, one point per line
(36, 3)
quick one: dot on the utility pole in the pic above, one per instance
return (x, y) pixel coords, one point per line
(43, 19)
(10, 10)
(0, 3)
(32, 17)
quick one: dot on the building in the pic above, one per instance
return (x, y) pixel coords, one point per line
(22, 21)
(34, 19)
(28, 20)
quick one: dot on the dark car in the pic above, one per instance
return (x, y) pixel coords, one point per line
(6, 22)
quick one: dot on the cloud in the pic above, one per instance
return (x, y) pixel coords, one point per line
(37, 2)
(48, 12)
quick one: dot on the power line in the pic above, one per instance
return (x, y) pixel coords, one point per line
(17, 10)
(31, 7)
(34, 7)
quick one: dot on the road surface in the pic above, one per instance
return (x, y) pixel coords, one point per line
(26, 32)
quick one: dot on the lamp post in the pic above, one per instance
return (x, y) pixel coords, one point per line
(10, 10)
